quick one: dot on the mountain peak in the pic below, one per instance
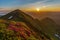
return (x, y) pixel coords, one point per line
(16, 15)
(47, 19)
(17, 10)
(13, 15)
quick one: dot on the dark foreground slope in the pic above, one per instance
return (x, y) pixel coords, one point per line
(49, 27)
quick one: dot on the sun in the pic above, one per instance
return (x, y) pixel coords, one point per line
(37, 9)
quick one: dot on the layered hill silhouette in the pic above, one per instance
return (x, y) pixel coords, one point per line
(42, 28)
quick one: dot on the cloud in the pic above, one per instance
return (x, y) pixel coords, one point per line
(41, 3)
(27, 3)
(5, 10)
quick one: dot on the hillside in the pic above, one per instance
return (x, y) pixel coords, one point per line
(49, 27)
(11, 30)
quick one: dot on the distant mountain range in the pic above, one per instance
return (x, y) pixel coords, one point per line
(53, 15)
(45, 28)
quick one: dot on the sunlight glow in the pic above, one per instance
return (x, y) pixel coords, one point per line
(37, 9)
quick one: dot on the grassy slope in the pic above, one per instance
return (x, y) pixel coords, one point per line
(4, 30)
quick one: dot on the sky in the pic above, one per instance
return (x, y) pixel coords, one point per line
(53, 5)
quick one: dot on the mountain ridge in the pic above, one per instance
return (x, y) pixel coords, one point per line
(18, 15)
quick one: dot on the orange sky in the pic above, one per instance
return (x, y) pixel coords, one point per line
(42, 9)
(30, 5)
